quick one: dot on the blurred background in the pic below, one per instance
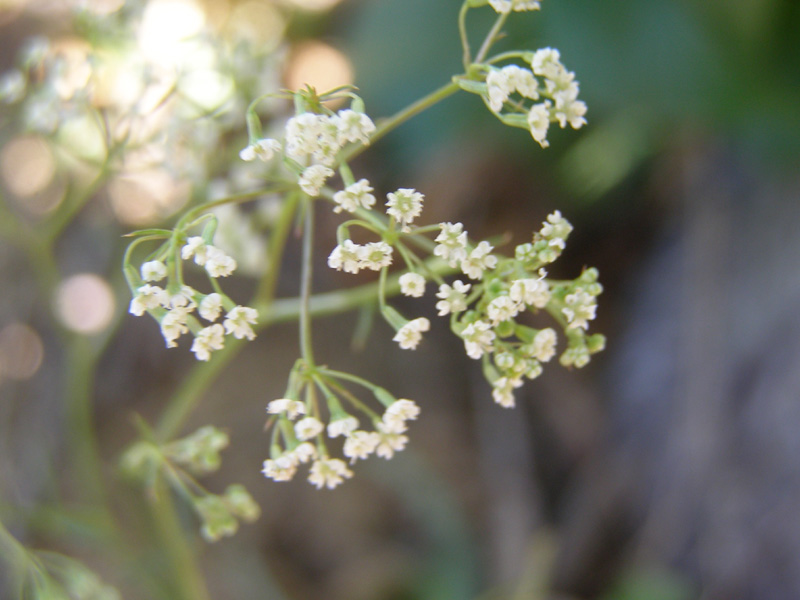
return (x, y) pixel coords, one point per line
(665, 470)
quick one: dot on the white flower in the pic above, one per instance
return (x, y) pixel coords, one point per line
(390, 443)
(479, 260)
(580, 309)
(360, 444)
(531, 292)
(218, 264)
(354, 127)
(263, 149)
(195, 246)
(506, 6)
(154, 270)
(329, 472)
(478, 338)
(313, 178)
(208, 339)
(501, 309)
(353, 197)
(502, 391)
(304, 452)
(539, 122)
(395, 417)
(173, 325)
(238, 321)
(347, 256)
(376, 255)
(544, 345)
(307, 428)
(412, 284)
(184, 298)
(292, 408)
(404, 205)
(410, 334)
(306, 135)
(556, 228)
(453, 299)
(282, 468)
(569, 110)
(501, 83)
(452, 243)
(342, 426)
(546, 62)
(210, 306)
(147, 298)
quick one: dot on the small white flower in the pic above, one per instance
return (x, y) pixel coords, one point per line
(531, 292)
(390, 443)
(501, 309)
(313, 178)
(347, 256)
(307, 428)
(353, 197)
(147, 298)
(544, 345)
(354, 127)
(452, 243)
(208, 339)
(342, 426)
(580, 309)
(376, 255)
(546, 62)
(263, 149)
(503, 391)
(453, 299)
(329, 472)
(154, 270)
(412, 284)
(395, 417)
(292, 408)
(556, 227)
(282, 468)
(506, 6)
(360, 444)
(238, 321)
(218, 264)
(479, 260)
(478, 338)
(304, 452)
(210, 307)
(539, 122)
(410, 334)
(173, 325)
(404, 205)
(195, 246)
(184, 298)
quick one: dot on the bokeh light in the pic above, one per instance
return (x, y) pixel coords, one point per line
(315, 5)
(144, 197)
(166, 25)
(85, 303)
(21, 351)
(319, 65)
(27, 165)
(258, 22)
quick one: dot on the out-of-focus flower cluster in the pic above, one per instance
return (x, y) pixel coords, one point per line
(303, 430)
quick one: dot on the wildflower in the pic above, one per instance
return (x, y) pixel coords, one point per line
(404, 205)
(478, 261)
(195, 246)
(347, 256)
(263, 149)
(307, 428)
(282, 468)
(154, 270)
(412, 284)
(183, 298)
(342, 426)
(173, 325)
(210, 307)
(544, 345)
(353, 197)
(376, 255)
(304, 452)
(556, 229)
(539, 122)
(147, 298)
(453, 299)
(501, 83)
(302, 135)
(502, 391)
(452, 243)
(577, 356)
(292, 408)
(410, 334)
(580, 309)
(478, 338)
(238, 321)
(501, 309)
(531, 292)
(328, 472)
(354, 126)
(390, 442)
(208, 339)
(360, 444)
(218, 264)
(546, 62)
(313, 178)
(395, 417)
(506, 6)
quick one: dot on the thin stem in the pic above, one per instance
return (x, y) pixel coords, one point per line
(462, 31)
(490, 37)
(305, 285)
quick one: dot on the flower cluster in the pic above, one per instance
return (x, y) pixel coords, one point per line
(300, 428)
(352, 257)
(506, 6)
(220, 513)
(174, 305)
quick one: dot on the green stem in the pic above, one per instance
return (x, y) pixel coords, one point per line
(306, 346)
(462, 31)
(490, 37)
